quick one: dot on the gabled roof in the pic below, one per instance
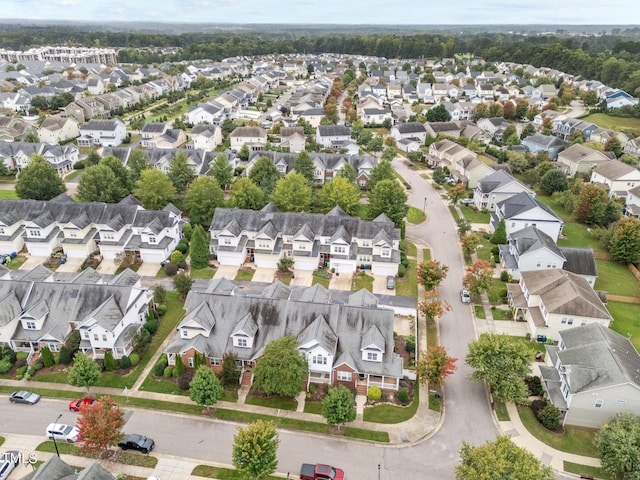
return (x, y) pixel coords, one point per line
(497, 180)
(520, 203)
(530, 239)
(320, 331)
(615, 169)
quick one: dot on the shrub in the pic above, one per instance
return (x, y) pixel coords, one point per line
(401, 270)
(161, 364)
(162, 309)
(56, 359)
(171, 269)
(179, 368)
(125, 362)
(403, 395)
(183, 265)
(168, 372)
(19, 362)
(176, 257)
(109, 362)
(537, 406)
(5, 365)
(184, 380)
(504, 276)
(410, 344)
(159, 294)
(151, 326)
(38, 365)
(535, 385)
(134, 358)
(230, 373)
(141, 339)
(550, 417)
(65, 356)
(182, 247)
(21, 371)
(73, 342)
(374, 394)
(46, 356)
(8, 354)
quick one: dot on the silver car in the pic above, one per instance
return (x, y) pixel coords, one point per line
(465, 296)
(24, 396)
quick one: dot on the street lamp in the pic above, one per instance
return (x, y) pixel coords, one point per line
(424, 208)
(378, 471)
(54, 437)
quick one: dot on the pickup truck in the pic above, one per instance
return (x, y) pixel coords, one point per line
(320, 471)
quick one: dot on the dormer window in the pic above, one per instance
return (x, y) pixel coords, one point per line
(73, 234)
(386, 252)
(30, 325)
(2, 232)
(152, 239)
(107, 236)
(263, 244)
(35, 233)
(319, 360)
(226, 241)
(372, 356)
(241, 342)
(339, 249)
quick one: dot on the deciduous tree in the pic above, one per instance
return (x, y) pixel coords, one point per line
(292, 193)
(203, 196)
(125, 184)
(99, 184)
(39, 180)
(154, 189)
(624, 244)
(347, 171)
(84, 372)
(590, 206)
(182, 283)
(340, 192)
(435, 366)
(503, 364)
(432, 306)
(457, 192)
(265, 175)
(199, 248)
(388, 197)
(431, 273)
(137, 163)
(303, 164)
(553, 181)
(383, 170)
(618, 446)
(255, 450)
(470, 241)
(338, 407)
(205, 388)
(500, 459)
(479, 277)
(222, 171)
(100, 425)
(246, 194)
(180, 173)
(281, 369)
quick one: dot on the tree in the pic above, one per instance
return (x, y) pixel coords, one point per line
(502, 363)
(479, 277)
(100, 425)
(499, 235)
(347, 171)
(303, 164)
(255, 450)
(500, 459)
(430, 273)
(591, 204)
(222, 171)
(618, 446)
(202, 198)
(470, 241)
(553, 181)
(180, 173)
(375, 144)
(124, 184)
(99, 184)
(137, 163)
(230, 373)
(613, 145)
(154, 189)
(340, 192)
(457, 192)
(518, 163)
(388, 197)
(383, 170)
(182, 284)
(265, 175)
(432, 306)
(624, 244)
(292, 193)
(435, 366)
(244, 152)
(84, 372)
(338, 407)
(281, 369)
(199, 248)
(205, 388)
(39, 180)
(246, 194)
(46, 356)
(285, 264)
(438, 114)
(439, 175)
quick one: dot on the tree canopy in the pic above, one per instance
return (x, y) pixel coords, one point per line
(222, 171)
(180, 173)
(205, 388)
(202, 198)
(624, 244)
(199, 248)
(255, 448)
(99, 184)
(434, 366)
(383, 170)
(84, 372)
(292, 193)
(303, 164)
(388, 197)
(431, 273)
(618, 446)
(281, 369)
(39, 180)
(338, 407)
(340, 192)
(265, 175)
(100, 425)
(154, 189)
(246, 194)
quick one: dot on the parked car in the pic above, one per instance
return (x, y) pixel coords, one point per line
(137, 442)
(465, 296)
(62, 431)
(466, 201)
(391, 282)
(74, 405)
(24, 396)
(8, 461)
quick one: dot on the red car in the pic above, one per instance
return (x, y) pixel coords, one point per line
(74, 405)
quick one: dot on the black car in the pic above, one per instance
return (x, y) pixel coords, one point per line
(136, 442)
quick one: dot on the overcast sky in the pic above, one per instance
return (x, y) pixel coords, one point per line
(424, 12)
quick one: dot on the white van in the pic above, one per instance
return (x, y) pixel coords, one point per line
(61, 431)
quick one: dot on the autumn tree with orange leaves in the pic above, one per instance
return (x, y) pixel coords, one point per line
(435, 366)
(432, 305)
(479, 277)
(100, 425)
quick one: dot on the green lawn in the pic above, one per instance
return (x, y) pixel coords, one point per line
(578, 469)
(72, 175)
(616, 278)
(321, 277)
(474, 216)
(426, 254)
(360, 281)
(206, 273)
(500, 314)
(244, 274)
(626, 320)
(578, 235)
(454, 213)
(407, 286)
(623, 124)
(484, 251)
(479, 311)
(221, 473)
(392, 413)
(313, 407)
(275, 401)
(578, 440)
(16, 263)
(415, 215)
(531, 346)
(501, 411)
(497, 287)
(411, 250)
(8, 194)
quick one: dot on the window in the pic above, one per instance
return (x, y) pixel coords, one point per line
(185, 333)
(319, 360)
(85, 335)
(54, 348)
(152, 239)
(215, 361)
(344, 376)
(95, 337)
(302, 246)
(241, 342)
(31, 325)
(513, 224)
(263, 244)
(372, 356)
(386, 252)
(599, 403)
(35, 233)
(107, 236)
(226, 241)
(104, 337)
(73, 234)
(539, 263)
(339, 249)
(566, 321)
(365, 243)
(190, 361)
(1, 231)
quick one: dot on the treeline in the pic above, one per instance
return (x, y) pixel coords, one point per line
(611, 59)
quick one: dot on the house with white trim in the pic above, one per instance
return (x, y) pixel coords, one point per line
(616, 177)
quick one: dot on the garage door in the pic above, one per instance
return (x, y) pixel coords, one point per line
(265, 262)
(227, 258)
(384, 269)
(152, 257)
(343, 267)
(306, 265)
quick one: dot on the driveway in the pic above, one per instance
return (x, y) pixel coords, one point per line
(380, 285)
(302, 278)
(32, 262)
(227, 271)
(341, 282)
(264, 275)
(149, 269)
(71, 265)
(107, 267)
